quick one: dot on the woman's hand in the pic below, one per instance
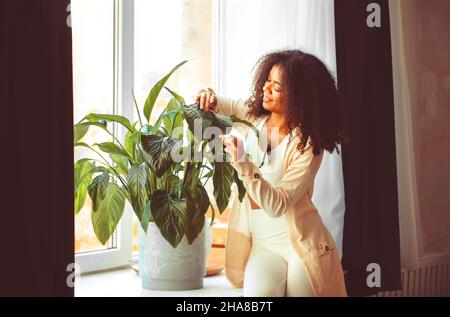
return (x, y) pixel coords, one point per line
(233, 146)
(207, 100)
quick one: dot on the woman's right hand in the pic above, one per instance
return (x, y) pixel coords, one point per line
(207, 100)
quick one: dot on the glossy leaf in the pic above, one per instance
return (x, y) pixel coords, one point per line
(94, 117)
(154, 92)
(159, 150)
(112, 148)
(82, 179)
(197, 206)
(108, 215)
(222, 180)
(170, 214)
(136, 179)
(79, 131)
(122, 163)
(97, 189)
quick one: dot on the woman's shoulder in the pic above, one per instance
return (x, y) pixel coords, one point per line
(293, 151)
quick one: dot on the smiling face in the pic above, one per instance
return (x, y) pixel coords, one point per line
(273, 91)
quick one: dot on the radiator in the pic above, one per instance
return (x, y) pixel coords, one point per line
(428, 280)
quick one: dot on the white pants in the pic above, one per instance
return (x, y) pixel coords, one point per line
(274, 269)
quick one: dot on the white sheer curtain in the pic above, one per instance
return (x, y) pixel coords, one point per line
(410, 239)
(247, 30)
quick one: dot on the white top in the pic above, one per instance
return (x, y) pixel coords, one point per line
(271, 170)
(267, 230)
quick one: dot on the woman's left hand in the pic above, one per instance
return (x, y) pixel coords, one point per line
(233, 146)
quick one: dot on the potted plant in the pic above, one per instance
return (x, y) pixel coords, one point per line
(167, 193)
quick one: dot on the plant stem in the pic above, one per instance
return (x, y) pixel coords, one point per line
(206, 181)
(137, 108)
(115, 172)
(115, 138)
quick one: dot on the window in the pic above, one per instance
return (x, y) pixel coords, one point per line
(98, 87)
(123, 46)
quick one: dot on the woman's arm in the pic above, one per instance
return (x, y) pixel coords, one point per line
(228, 107)
(275, 200)
(209, 100)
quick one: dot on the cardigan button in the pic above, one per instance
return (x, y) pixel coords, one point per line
(256, 175)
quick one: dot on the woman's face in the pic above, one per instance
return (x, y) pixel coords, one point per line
(273, 91)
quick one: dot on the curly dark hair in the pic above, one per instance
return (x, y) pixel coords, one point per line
(312, 102)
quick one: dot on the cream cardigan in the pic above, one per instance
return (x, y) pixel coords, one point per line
(292, 197)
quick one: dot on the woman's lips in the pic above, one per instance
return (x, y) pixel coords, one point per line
(265, 99)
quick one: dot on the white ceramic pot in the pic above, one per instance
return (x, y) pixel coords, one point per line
(164, 268)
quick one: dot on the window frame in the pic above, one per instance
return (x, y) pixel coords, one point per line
(119, 255)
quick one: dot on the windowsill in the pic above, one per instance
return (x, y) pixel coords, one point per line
(127, 283)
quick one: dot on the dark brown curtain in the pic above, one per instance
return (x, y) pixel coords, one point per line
(36, 224)
(371, 230)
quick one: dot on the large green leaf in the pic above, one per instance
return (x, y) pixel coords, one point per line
(94, 117)
(99, 123)
(108, 215)
(173, 119)
(198, 121)
(97, 190)
(79, 131)
(197, 206)
(222, 122)
(180, 99)
(170, 214)
(222, 180)
(112, 148)
(136, 188)
(167, 120)
(154, 92)
(122, 163)
(136, 137)
(129, 146)
(92, 171)
(82, 179)
(179, 107)
(178, 123)
(175, 107)
(159, 150)
(81, 168)
(172, 105)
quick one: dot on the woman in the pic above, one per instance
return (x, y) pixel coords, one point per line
(277, 244)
